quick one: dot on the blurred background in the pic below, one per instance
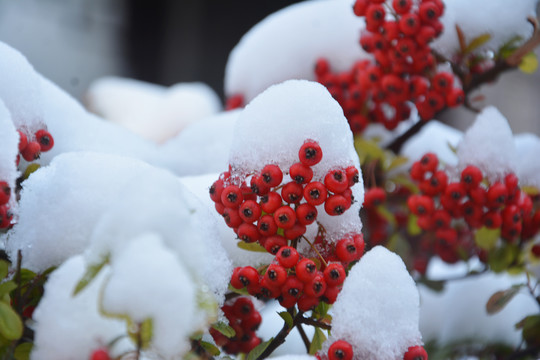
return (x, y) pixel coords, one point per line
(73, 42)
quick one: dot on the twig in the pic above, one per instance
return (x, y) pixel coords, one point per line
(316, 323)
(315, 249)
(304, 337)
(280, 337)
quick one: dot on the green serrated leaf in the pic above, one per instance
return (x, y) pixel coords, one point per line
(224, 329)
(210, 348)
(412, 226)
(258, 350)
(287, 317)
(498, 301)
(477, 42)
(11, 326)
(487, 238)
(529, 63)
(89, 275)
(317, 341)
(7, 287)
(4, 269)
(256, 247)
(22, 351)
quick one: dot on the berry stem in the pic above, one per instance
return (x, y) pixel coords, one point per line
(314, 249)
(304, 337)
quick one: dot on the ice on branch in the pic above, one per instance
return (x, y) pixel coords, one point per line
(287, 44)
(377, 311)
(503, 20)
(154, 112)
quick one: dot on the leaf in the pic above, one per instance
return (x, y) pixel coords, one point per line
(477, 42)
(89, 275)
(4, 269)
(256, 247)
(530, 190)
(287, 318)
(316, 343)
(7, 287)
(368, 149)
(141, 332)
(529, 63)
(11, 326)
(435, 285)
(498, 301)
(22, 351)
(530, 326)
(210, 348)
(501, 258)
(258, 350)
(321, 310)
(29, 170)
(412, 226)
(461, 38)
(224, 329)
(487, 238)
(509, 47)
(397, 162)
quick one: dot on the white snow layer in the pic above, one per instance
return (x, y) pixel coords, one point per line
(286, 45)
(9, 141)
(528, 148)
(154, 112)
(377, 311)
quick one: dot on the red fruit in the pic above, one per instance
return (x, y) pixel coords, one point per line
(471, 177)
(300, 173)
(45, 140)
(292, 192)
(23, 140)
(248, 232)
(248, 276)
(306, 303)
(292, 287)
(367, 42)
(250, 211)
(266, 225)
(100, 354)
(295, 232)
(390, 30)
(306, 214)
(417, 171)
(287, 257)
(5, 217)
(472, 213)
(405, 46)
(429, 12)
(455, 97)
(5, 193)
(511, 215)
(456, 191)
(243, 307)
(315, 193)
(478, 195)
(435, 185)
(360, 7)
(416, 353)
(220, 208)
(310, 153)
(32, 151)
(402, 6)
(287, 301)
(425, 35)
(306, 270)
(340, 350)
(334, 274)
(252, 322)
(331, 293)
(268, 290)
(336, 181)
(232, 197)
(418, 86)
(249, 342)
(435, 101)
(496, 195)
(285, 217)
(274, 243)
(441, 219)
(235, 279)
(270, 202)
(215, 190)
(492, 219)
(374, 197)
(421, 205)
(348, 249)
(409, 24)
(322, 67)
(272, 175)
(258, 186)
(429, 162)
(276, 275)
(336, 205)
(353, 175)
(232, 218)
(234, 102)
(511, 182)
(442, 82)
(316, 287)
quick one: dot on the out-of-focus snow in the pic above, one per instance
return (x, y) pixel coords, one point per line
(152, 111)
(286, 45)
(9, 140)
(377, 311)
(528, 165)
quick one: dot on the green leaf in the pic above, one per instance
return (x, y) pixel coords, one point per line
(316, 343)
(287, 317)
(529, 63)
(435, 285)
(11, 326)
(224, 329)
(498, 301)
(254, 246)
(412, 226)
(477, 42)
(29, 170)
(501, 258)
(321, 310)
(141, 332)
(4, 269)
(210, 348)
(509, 47)
(530, 190)
(368, 149)
(22, 351)
(7, 287)
(242, 291)
(487, 238)
(397, 162)
(258, 350)
(530, 326)
(89, 275)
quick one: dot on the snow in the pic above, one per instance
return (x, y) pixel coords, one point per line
(154, 112)
(478, 17)
(69, 327)
(528, 166)
(134, 289)
(377, 311)
(286, 45)
(489, 145)
(9, 140)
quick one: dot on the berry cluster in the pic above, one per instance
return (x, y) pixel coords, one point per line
(5, 213)
(375, 223)
(404, 68)
(471, 201)
(32, 145)
(245, 320)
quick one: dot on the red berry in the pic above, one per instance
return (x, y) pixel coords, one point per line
(429, 162)
(336, 205)
(425, 35)
(310, 153)
(316, 287)
(274, 243)
(23, 140)
(455, 97)
(235, 279)
(276, 275)
(100, 354)
(353, 175)
(375, 14)
(336, 181)
(248, 232)
(5, 217)
(300, 173)
(232, 218)
(32, 151)
(315, 193)
(360, 7)
(331, 293)
(270, 202)
(334, 274)
(306, 214)
(5, 193)
(294, 232)
(492, 219)
(434, 185)
(374, 196)
(306, 270)
(272, 175)
(292, 192)
(409, 24)
(287, 257)
(442, 82)
(250, 211)
(45, 140)
(402, 6)
(285, 217)
(471, 177)
(248, 276)
(441, 219)
(429, 12)
(306, 303)
(292, 287)
(267, 226)
(258, 186)
(416, 353)
(234, 102)
(496, 195)
(340, 350)
(348, 249)
(232, 196)
(322, 67)
(215, 190)
(243, 307)
(421, 205)
(252, 322)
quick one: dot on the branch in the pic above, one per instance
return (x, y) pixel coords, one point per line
(304, 337)
(316, 323)
(280, 337)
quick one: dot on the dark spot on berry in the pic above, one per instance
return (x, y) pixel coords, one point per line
(272, 275)
(286, 253)
(339, 354)
(310, 153)
(351, 248)
(456, 195)
(247, 212)
(299, 179)
(293, 292)
(334, 274)
(45, 140)
(339, 210)
(265, 226)
(232, 197)
(338, 176)
(283, 218)
(314, 194)
(317, 287)
(311, 268)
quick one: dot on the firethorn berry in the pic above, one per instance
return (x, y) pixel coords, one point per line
(441, 219)
(375, 14)
(442, 82)
(353, 175)
(266, 225)
(336, 181)
(250, 211)
(268, 290)
(496, 195)
(306, 214)
(455, 97)
(235, 279)
(402, 6)
(23, 140)
(5, 192)
(429, 162)
(471, 177)
(248, 275)
(232, 196)
(360, 7)
(340, 350)
(292, 192)
(409, 24)
(274, 243)
(100, 354)
(287, 257)
(416, 353)
(32, 151)
(242, 307)
(5, 217)
(310, 153)
(425, 35)
(417, 171)
(272, 175)
(511, 182)
(390, 30)
(511, 215)
(315, 193)
(292, 287)
(220, 208)
(306, 270)
(478, 195)
(287, 301)
(232, 218)
(270, 202)
(429, 12)
(334, 274)
(248, 232)
(456, 191)
(306, 303)
(300, 173)
(45, 140)
(322, 67)
(331, 293)
(336, 205)
(285, 217)
(253, 321)
(316, 286)
(367, 42)
(421, 205)
(294, 232)
(374, 196)
(434, 185)
(215, 190)
(234, 102)
(348, 250)
(276, 275)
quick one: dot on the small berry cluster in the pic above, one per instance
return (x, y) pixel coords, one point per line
(32, 145)
(5, 213)
(404, 68)
(375, 223)
(245, 320)
(472, 200)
